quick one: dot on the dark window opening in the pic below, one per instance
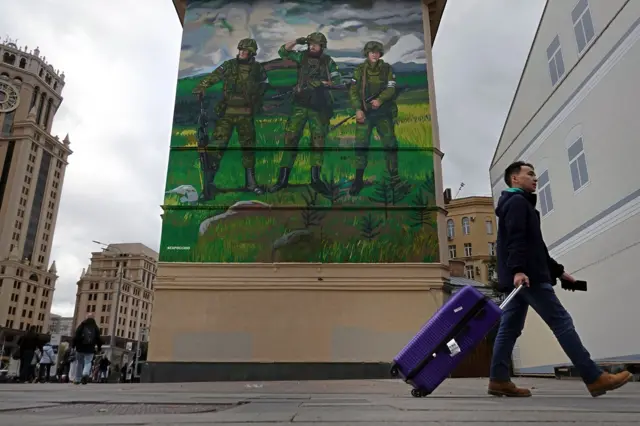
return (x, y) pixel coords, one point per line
(47, 113)
(9, 58)
(5, 169)
(43, 98)
(36, 207)
(7, 124)
(34, 98)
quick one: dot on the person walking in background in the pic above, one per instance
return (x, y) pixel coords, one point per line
(28, 344)
(103, 367)
(85, 340)
(46, 361)
(62, 370)
(523, 260)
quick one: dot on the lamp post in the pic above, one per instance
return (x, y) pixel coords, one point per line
(112, 342)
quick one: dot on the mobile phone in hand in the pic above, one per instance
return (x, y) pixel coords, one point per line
(578, 285)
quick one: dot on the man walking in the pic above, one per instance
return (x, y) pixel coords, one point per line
(28, 343)
(86, 338)
(523, 259)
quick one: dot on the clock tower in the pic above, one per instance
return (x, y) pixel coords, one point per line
(32, 167)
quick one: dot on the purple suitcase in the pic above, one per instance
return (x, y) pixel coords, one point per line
(452, 333)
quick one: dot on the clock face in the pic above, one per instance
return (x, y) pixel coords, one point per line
(9, 97)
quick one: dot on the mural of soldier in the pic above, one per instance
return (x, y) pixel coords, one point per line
(244, 84)
(374, 79)
(312, 103)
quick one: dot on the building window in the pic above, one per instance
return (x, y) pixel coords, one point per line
(467, 250)
(469, 273)
(451, 231)
(492, 249)
(556, 63)
(489, 227)
(452, 252)
(544, 193)
(7, 125)
(582, 24)
(466, 226)
(578, 165)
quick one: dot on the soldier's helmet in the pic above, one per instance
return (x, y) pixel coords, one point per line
(317, 38)
(248, 44)
(373, 46)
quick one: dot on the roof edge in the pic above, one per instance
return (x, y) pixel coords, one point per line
(517, 91)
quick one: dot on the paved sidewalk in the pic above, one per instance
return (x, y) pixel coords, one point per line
(344, 403)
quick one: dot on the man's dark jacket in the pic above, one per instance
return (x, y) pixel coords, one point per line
(77, 339)
(520, 246)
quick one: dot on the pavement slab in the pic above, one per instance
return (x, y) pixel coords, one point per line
(458, 402)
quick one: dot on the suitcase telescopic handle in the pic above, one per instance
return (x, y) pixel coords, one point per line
(510, 297)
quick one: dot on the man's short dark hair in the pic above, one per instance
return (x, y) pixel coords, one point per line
(514, 169)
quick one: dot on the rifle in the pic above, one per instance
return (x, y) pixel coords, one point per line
(203, 142)
(366, 101)
(342, 86)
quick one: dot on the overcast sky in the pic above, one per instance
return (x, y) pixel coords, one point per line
(120, 58)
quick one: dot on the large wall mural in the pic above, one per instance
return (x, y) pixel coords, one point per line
(301, 133)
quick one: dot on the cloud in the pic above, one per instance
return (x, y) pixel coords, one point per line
(121, 60)
(271, 25)
(118, 104)
(479, 54)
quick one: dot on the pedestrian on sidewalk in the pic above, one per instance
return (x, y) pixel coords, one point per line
(103, 367)
(28, 344)
(85, 340)
(523, 260)
(46, 361)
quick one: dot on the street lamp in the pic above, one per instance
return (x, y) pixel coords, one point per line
(112, 343)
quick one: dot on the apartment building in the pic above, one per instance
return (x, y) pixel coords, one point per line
(575, 117)
(32, 169)
(117, 288)
(471, 235)
(60, 325)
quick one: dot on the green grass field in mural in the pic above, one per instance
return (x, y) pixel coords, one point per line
(278, 235)
(338, 170)
(413, 129)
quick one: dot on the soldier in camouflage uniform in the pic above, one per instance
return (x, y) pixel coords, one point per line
(312, 103)
(374, 76)
(244, 84)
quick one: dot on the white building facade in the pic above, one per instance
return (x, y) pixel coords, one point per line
(576, 117)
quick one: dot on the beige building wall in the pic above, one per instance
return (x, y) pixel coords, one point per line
(32, 168)
(471, 235)
(117, 288)
(260, 321)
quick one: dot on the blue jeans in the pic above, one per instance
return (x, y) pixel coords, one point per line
(542, 298)
(83, 367)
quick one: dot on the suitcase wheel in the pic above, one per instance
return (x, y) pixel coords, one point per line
(394, 371)
(419, 393)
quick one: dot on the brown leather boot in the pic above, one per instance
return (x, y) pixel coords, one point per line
(608, 382)
(507, 389)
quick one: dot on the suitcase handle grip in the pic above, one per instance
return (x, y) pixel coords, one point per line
(510, 297)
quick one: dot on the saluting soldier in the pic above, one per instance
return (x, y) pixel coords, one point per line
(312, 103)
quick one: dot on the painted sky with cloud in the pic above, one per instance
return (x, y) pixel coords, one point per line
(208, 40)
